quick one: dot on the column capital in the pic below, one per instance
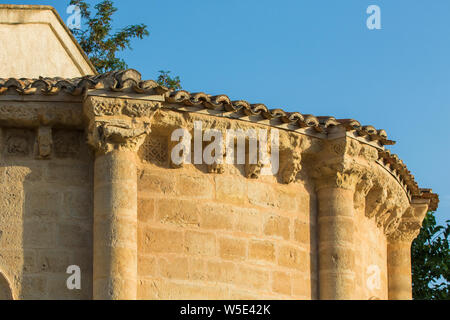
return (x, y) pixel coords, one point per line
(411, 222)
(342, 163)
(118, 124)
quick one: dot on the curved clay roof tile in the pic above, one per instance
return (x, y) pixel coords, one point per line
(259, 109)
(350, 124)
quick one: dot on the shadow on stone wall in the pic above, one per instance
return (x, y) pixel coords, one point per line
(5, 288)
(55, 214)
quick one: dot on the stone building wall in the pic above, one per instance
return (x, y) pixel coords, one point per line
(45, 214)
(87, 179)
(222, 236)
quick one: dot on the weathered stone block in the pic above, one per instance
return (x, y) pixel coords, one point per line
(232, 248)
(248, 220)
(281, 283)
(147, 266)
(157, 183)
(302, 233)
(178, 212)
(216, 216)
(146, 210)
(200, 243)
(277, 226)
(292, 257)
(153, 239)
(195, 186)
(261, 250)
(263, 195)
(174, 268)
(230, 189)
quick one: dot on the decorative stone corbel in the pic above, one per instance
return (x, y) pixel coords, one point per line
(362, 189)
(253, 171)
(44, 142)
(386, 203)
(219, 168)
(290, 158)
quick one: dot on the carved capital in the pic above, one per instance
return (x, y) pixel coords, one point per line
(107, 136)
(338, 173)
(336, 166)
(118, 124)
(411, 222)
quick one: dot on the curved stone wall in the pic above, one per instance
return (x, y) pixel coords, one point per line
(336, 221)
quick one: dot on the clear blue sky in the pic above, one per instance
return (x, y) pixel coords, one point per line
(312, 56)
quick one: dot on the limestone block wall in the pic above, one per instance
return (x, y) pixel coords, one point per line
(205, 235)
(45, 215)
(223, 237)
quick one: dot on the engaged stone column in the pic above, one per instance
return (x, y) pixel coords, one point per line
(116, 139)
(336, 175)
(399, 251)
(336, 253)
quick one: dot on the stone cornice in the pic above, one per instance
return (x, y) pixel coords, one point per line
(38, 113)
(128, 84)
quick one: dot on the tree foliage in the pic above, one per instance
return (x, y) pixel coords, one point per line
(430, 261)
(170, 82)
(98, 41)
(102, 45)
